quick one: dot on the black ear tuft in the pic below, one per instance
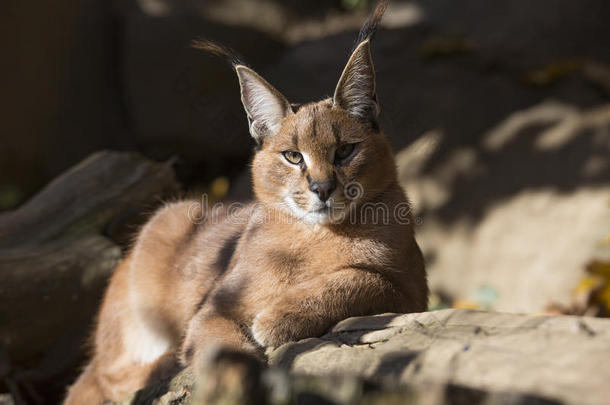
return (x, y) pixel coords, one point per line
(370, 25)
(219, 50)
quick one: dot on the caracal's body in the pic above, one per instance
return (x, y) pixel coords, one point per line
(329, 236)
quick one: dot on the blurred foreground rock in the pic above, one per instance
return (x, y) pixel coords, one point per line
(442, 357)
(56, 254)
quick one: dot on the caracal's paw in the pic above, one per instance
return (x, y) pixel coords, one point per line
(273, 329)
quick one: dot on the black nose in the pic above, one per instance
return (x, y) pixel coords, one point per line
(323, 188)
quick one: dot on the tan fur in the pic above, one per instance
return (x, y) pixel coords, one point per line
(275, 270)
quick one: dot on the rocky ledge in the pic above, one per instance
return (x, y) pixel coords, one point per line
(447, 356)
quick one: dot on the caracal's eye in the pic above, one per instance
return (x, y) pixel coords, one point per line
(293, 157)
(344, 151)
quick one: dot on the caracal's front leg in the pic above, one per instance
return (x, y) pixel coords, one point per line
(311, 308)
(209, 329)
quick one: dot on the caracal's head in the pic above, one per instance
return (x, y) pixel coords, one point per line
(321, 159)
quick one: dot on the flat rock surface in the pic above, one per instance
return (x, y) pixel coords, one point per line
(561, 358)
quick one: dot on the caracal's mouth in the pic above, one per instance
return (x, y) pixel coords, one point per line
(321, 207)
(318, 212)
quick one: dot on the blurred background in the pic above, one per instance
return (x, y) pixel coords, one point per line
(498, 111)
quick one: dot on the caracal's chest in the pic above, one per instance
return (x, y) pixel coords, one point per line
(272, 258)
(292, 252)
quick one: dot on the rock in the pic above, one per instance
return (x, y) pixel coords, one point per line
(57, 252)
(559, 358)
(441, 357)
(176, 391)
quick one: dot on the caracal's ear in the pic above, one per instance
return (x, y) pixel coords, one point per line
(355, 91)
(265, 106)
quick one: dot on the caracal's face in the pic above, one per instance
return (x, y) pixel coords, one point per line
(321, 164)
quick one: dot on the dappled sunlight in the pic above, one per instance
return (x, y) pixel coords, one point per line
(531, 249)
(520, 216)
(572, 125)
(400, 15)
(547, 113)
(278, 20)
(155, 8)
